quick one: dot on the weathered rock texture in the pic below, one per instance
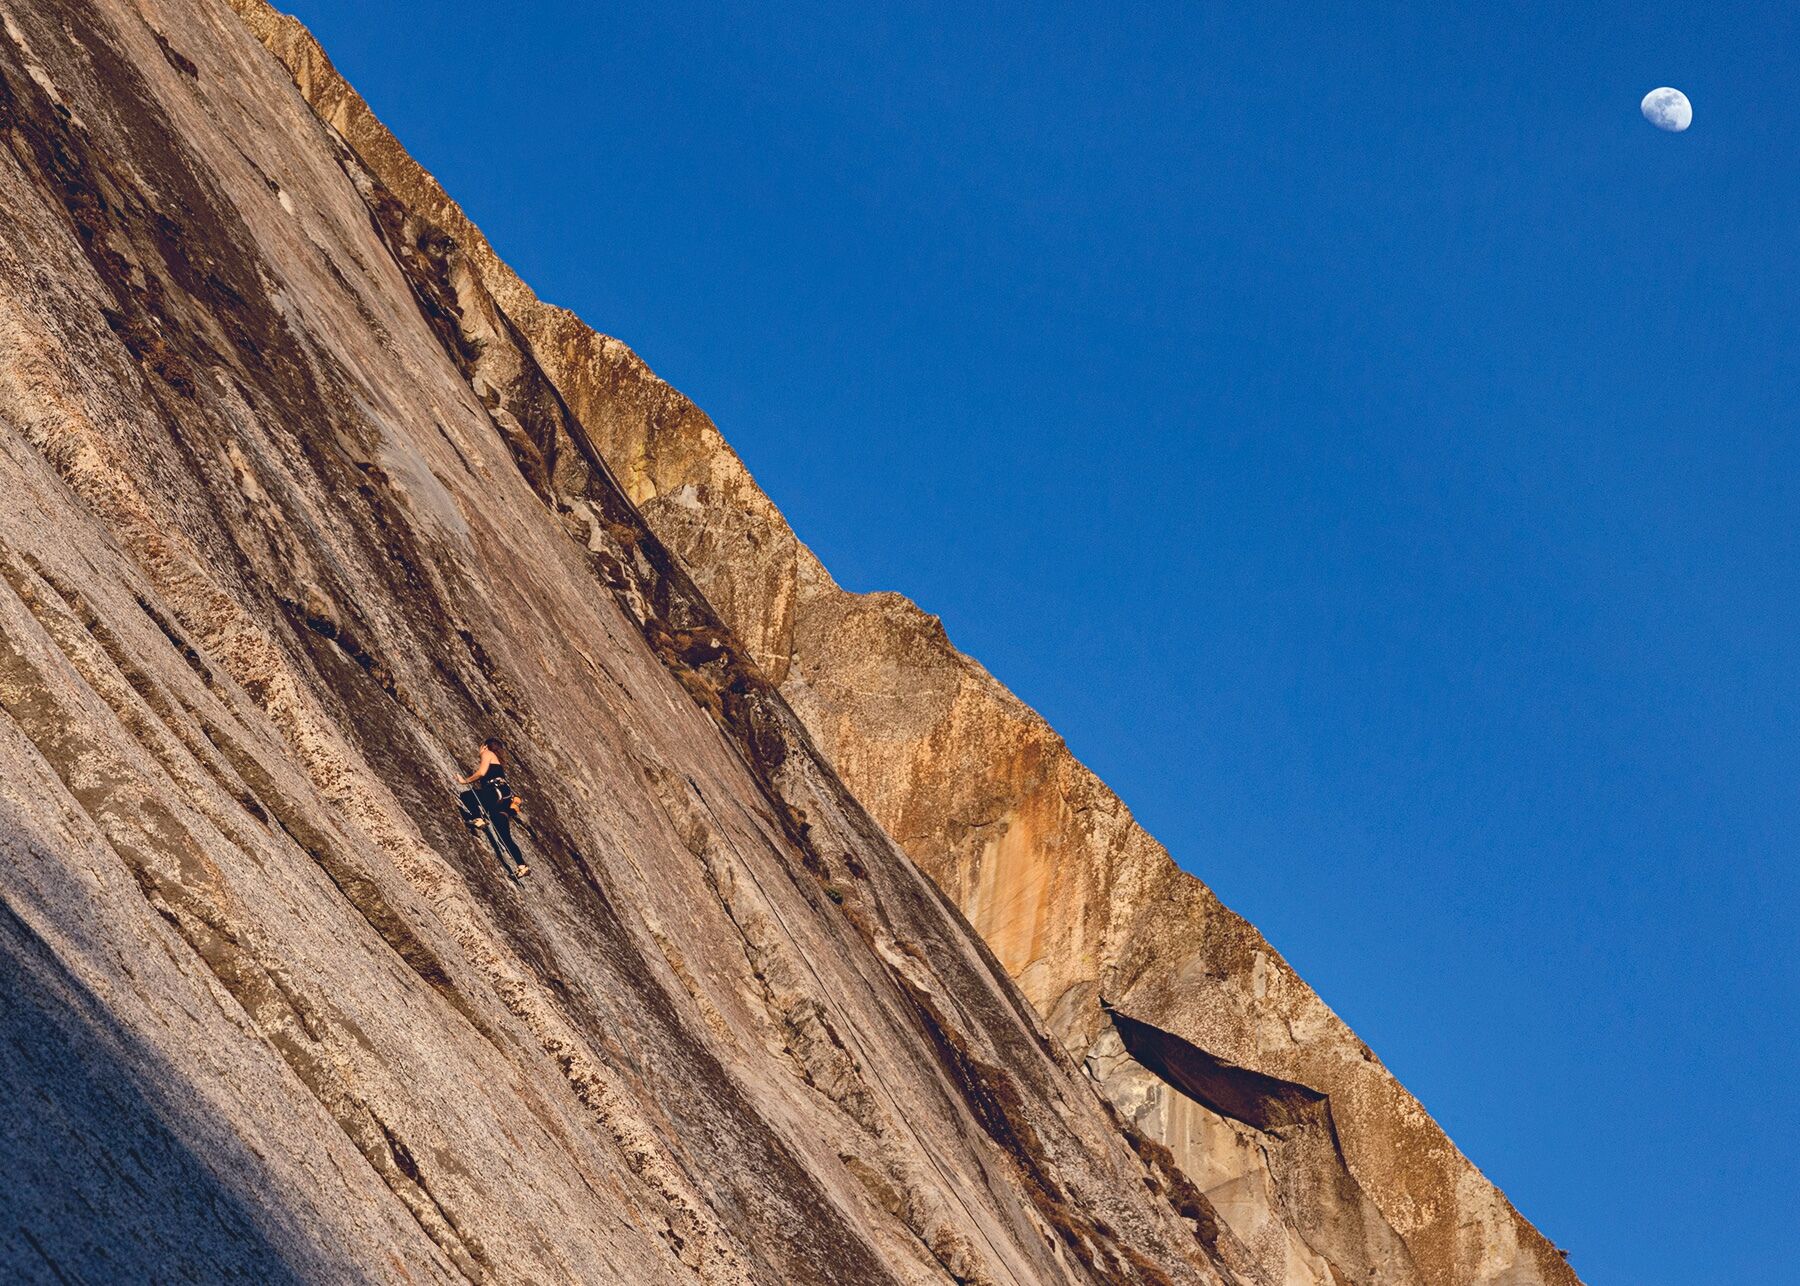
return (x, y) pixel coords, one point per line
(1319, 1160)
(292, 516)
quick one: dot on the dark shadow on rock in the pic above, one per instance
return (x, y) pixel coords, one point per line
(104, 1181)
(1320, 1195)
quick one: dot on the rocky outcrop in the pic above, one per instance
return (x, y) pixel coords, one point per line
(294, 515)
(1106, 936)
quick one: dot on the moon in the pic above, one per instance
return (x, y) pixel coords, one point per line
(1667, 109)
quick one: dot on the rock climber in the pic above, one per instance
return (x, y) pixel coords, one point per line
(489, 804)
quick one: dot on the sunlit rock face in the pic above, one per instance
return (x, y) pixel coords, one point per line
(295, 514)
(1074, 899)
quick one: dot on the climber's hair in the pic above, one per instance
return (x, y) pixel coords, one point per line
(496, 745)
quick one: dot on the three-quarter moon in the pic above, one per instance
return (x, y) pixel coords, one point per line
(1667, 109)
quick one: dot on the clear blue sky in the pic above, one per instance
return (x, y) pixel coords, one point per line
(1369, 442)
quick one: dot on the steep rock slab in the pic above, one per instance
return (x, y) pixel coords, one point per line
(292, 518)
(1078, 902)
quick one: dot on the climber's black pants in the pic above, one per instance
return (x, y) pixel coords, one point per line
(499, 818)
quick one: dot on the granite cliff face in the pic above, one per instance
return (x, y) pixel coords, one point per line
(294, 515)
(306, 493)
(1320, 1163)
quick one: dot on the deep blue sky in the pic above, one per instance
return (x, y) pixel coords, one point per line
(1369, 442)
